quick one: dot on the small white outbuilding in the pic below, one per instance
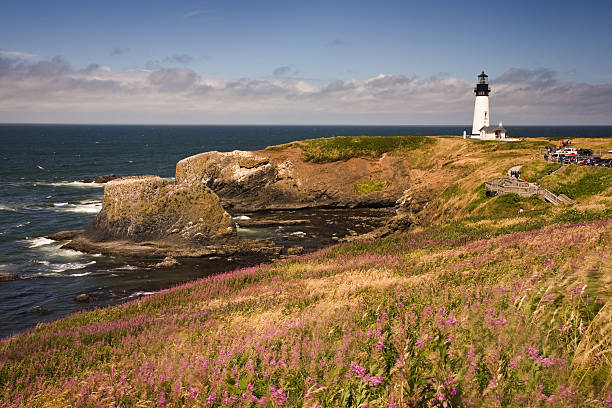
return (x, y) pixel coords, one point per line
(493, 132)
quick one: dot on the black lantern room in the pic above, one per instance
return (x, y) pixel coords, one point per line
(482, 87)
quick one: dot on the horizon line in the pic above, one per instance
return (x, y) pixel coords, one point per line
(270, 124)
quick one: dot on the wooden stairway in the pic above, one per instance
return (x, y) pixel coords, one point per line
(508, 185)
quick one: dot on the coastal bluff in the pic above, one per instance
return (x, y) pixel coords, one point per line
(426, 180)
(283, 180)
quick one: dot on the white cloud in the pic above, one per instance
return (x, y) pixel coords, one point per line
(52, 89)
(17, 54)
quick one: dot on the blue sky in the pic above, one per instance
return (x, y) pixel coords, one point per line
(231, 48)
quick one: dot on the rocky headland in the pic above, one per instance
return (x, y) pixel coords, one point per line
(282, 180)
(426, 179)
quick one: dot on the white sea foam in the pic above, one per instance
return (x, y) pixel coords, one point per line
(38, 242)
(73, 184)
(242, 218)
(48, 274)
(299, 234)
(54, 250)
(76, 275)
(138, 294)
(70, 252)
(88, 207)
(6, 208)
(127, 268)
(70, 266)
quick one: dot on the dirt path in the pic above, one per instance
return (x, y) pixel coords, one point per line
(512, 169)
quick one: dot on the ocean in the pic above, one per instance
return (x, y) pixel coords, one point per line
(40, 193)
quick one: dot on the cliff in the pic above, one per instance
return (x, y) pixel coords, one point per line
(269, 179)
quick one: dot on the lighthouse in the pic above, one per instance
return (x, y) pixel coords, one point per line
(481, 106)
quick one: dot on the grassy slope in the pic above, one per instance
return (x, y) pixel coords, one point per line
(430, 316)
(478, 161)
(345, 147)
(456, 170)
(487, 311)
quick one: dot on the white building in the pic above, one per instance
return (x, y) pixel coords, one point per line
(482, 115)
(493, 132)
(481, 106)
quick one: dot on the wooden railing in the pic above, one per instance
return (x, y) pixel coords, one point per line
(508, 185)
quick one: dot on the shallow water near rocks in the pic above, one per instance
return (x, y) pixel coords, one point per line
(48, 287)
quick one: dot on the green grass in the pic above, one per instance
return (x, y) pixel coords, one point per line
(508, 205)
(490, 145)
(450, 192)
(535, 170)
(370, 186)
(578, 182)
(481, 197)
(346, 147)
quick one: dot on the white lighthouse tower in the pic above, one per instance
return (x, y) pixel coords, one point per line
(481, 106)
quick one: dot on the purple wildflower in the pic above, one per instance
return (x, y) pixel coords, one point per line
(373, 381)
(358, 370)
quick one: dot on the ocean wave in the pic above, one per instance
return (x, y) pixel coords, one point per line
(78, 275)
(54, 249)
(73, 184)
(70, 252)
(241, 218)
(38, 242)
(88, 207)
(127, 268)
(70, 266)
(138, 294)
(7, 208)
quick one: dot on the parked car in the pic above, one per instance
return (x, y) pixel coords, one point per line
(591, 161)
(605, 163)
(568, 151)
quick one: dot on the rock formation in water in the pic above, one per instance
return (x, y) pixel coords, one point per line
(151, 208)
(100, 179)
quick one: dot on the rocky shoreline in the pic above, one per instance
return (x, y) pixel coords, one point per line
(151, 217)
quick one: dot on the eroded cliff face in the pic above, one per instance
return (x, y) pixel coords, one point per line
(252, 181)
(148, 208)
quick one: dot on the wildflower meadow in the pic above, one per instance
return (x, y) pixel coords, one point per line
(422, 319)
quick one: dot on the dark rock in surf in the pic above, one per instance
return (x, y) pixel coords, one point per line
(100, 179)
(8, 277)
